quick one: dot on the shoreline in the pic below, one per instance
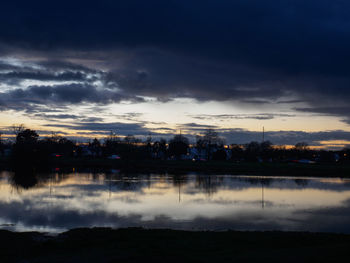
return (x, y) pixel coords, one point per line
(164, 245)
(341, 170)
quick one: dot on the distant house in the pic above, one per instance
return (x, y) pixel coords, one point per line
(203, 153)
(336, 157)
(85, 151)
(228, 153)
(197, 154)
(114, 157)
(158, 155)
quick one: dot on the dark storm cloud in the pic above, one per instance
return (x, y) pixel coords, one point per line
(91, 119)
(130, 116)
(65, 117)
(16, 77)
(332, 110)
(8, 132)
(289, 101)
(196, 125)
(44, 70)
(117, 127)
(246, 50)
(194, 128)
(56, 116)
(223, 117)
(54, 65)
(167, 75)
(256, 101)
(327, 110)
(23, 99)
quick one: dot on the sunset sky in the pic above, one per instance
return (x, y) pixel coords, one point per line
(86, 68)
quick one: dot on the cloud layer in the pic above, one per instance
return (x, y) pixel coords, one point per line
(247, 52)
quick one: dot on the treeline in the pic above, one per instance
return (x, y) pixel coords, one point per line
(29, 148)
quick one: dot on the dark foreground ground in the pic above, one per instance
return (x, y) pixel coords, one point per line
(139, 245)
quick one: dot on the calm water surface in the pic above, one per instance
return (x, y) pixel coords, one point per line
(57, 202)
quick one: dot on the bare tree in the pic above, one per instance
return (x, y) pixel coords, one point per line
(55, 137)
(301, 146)
(17, 128)
(209, 140)
(112, 137)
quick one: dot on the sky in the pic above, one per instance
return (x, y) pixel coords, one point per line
(88, 68)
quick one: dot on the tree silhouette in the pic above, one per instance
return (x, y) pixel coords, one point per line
(178, 145)
(27, 136)
(208, 141)
(266, 146)
(236, 152)
(219, 155)
(25, 150)
(111, 143)
(130, 139)
(252, 150)
(17, 128)
(159, 149)
(301, 146)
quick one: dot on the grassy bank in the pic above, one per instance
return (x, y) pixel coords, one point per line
(210, 167)
(139, 245)
(214, 167)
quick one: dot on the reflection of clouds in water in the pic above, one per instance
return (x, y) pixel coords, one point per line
(327, 219)
(60, 218)
(239, 202)
(161, 201)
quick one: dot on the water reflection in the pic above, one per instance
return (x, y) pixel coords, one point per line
(59, 201)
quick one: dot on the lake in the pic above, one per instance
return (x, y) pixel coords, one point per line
(58, 201)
